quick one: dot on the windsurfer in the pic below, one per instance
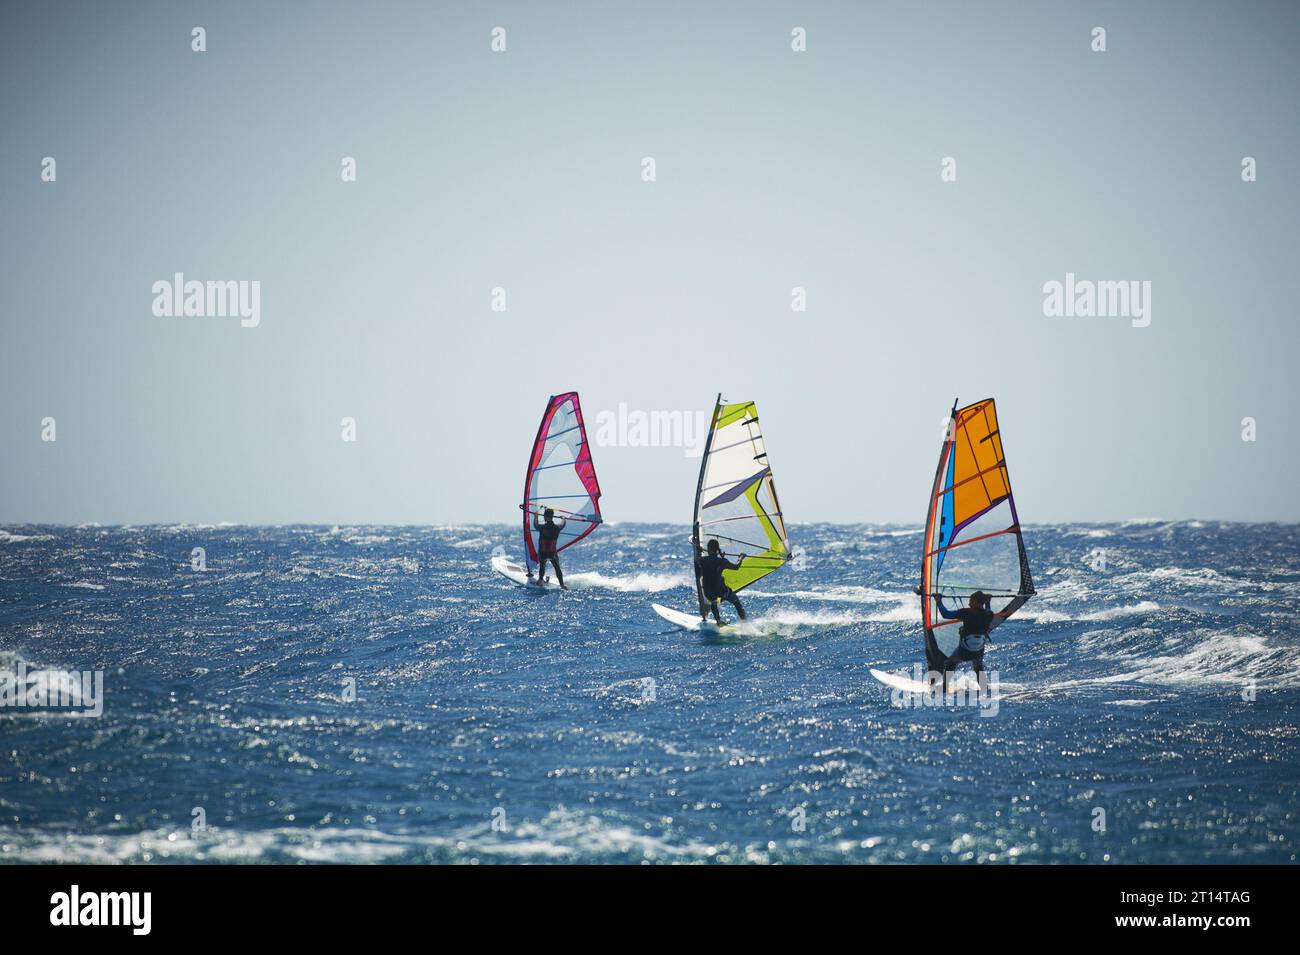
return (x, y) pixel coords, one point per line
(548, 534)
(976, 621)
(708, 569)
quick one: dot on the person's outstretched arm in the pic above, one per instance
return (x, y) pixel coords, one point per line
(944, 611)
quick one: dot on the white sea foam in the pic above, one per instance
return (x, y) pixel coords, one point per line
(1197, 578)
(1042, 615)
(7, 538)
(848, 593)
(215, 845)
(1049, 615)
(564, 833)
(561, 834)
(1093, 532)
(1114, 613)
(1221, 658)
(43, 681)
(366, 540)
(783, 622)
(645, 583)
(1196, 658)
(903, 609)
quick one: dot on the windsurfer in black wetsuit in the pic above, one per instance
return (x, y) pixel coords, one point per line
(708, 569)
(976, 621)
(548, 534)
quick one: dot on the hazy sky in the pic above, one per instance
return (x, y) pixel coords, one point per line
(523, 170)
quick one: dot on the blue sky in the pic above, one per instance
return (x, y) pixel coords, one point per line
(522, 170)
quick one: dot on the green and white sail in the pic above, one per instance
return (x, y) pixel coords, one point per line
(735, 500)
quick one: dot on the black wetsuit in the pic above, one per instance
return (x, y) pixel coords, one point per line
(974, 631)
(548, 535)
(709, 568)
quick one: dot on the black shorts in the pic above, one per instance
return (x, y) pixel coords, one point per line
(963, 655)
(725, 595)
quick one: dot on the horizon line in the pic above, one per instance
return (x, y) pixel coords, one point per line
(472, 523)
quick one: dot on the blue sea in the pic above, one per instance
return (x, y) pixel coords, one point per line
(378, 694)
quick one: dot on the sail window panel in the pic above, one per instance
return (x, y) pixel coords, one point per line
(982, 556)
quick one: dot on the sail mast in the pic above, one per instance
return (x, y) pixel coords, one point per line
(528, 481)
(696, 543)
(934, 514)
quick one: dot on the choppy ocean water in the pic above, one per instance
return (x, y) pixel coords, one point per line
(1156, 689)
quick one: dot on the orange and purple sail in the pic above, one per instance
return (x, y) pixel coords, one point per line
(561, 476)
(973, 539)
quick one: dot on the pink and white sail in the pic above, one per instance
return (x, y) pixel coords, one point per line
(561, 476)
